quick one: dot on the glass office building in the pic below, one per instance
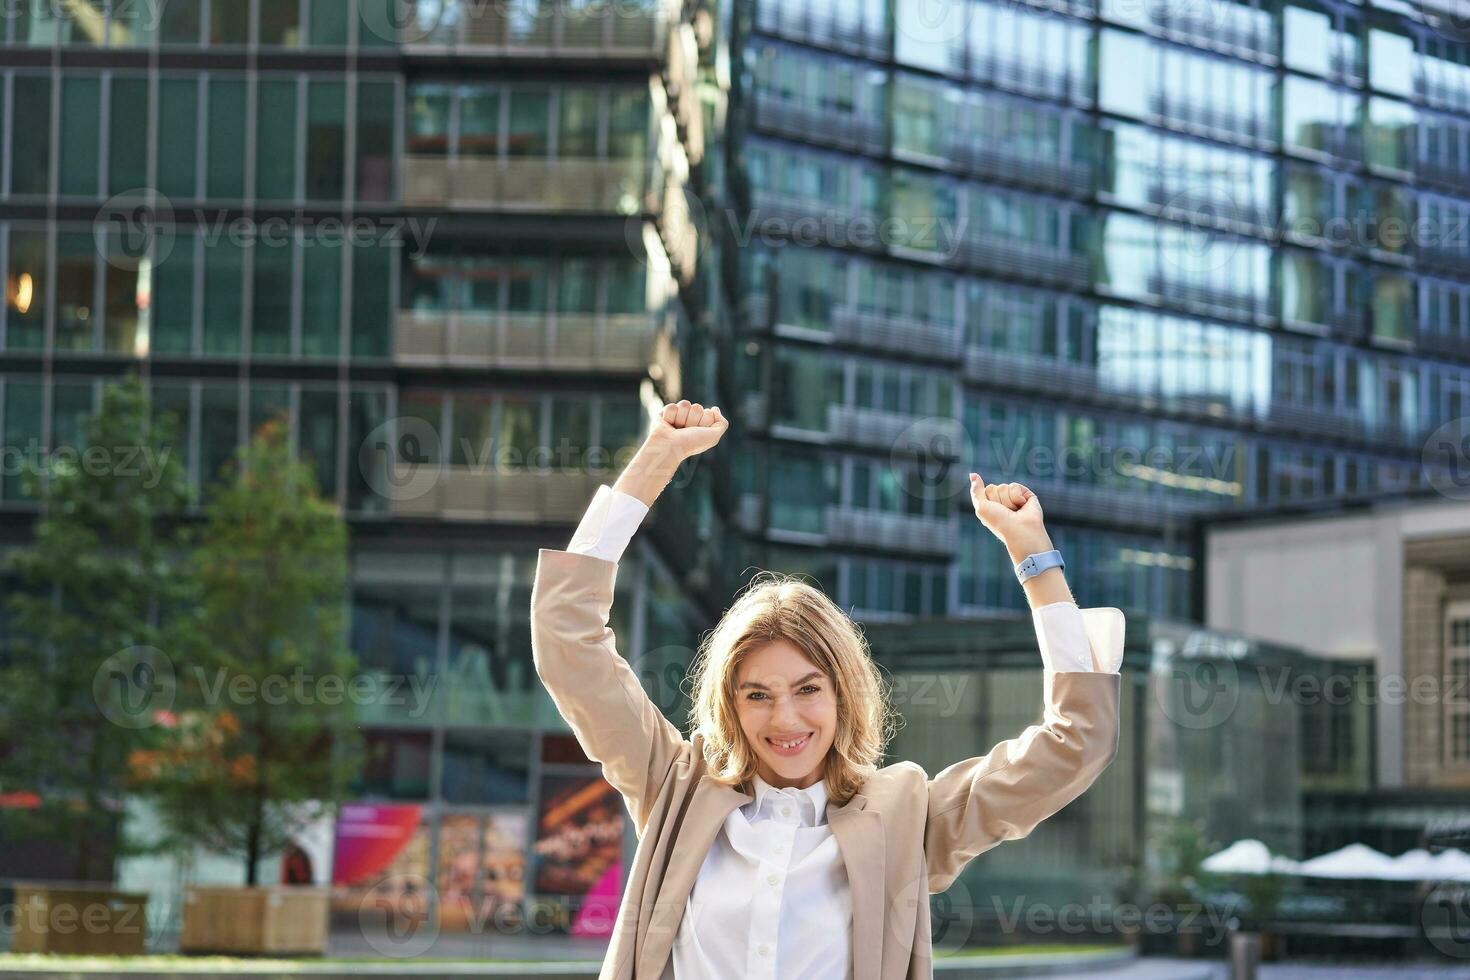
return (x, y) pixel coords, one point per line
(434, 235)
(1152, 260)
(472, 239)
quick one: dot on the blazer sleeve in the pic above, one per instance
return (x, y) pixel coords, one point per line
(593, 687)
(1002, 795)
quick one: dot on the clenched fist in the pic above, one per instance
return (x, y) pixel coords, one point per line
(1011, 512)
(688, 429)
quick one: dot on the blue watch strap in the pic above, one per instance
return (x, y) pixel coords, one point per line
(1033, 565)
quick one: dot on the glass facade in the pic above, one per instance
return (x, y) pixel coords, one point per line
(1152, 263)
(422, 253)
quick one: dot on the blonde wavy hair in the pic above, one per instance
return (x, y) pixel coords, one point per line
(778, 606)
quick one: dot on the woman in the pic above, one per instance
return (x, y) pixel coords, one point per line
(770, 842)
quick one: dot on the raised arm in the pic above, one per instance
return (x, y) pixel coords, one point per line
(574, 649)
(1002, 795)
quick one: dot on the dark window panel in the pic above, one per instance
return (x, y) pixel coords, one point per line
(326, 141)
(226, 163)
(178, 134)
(127, 162)
(81, 105)
(173, 298)
(275, 144)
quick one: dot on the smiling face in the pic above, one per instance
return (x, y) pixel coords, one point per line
(788, 712)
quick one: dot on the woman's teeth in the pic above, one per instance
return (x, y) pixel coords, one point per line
(790, 744)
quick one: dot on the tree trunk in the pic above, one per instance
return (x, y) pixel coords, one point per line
(252, 849)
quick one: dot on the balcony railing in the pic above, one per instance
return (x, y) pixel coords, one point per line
(971, 153)
(596, 186)
(1204, 23)
(896, 432)
(1175, 290)
(620, 342)
(1194, 113)
(526, 27)
(896, 532)
(828, 126)
(896, 333)
(834, 222)
(1209, 202)
(1025, 260)
(489, 493)
(1022, 76)
(821, 27)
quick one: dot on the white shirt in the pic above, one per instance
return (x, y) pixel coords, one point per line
(777, 852)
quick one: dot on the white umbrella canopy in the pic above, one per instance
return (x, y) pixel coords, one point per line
(1249, 857)
(1353, 861)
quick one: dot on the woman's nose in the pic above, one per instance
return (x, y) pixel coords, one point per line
(785, 708)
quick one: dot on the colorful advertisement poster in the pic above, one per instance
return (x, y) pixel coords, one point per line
(381, 851)
(579, 840)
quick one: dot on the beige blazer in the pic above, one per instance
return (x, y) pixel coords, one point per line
(905, 835)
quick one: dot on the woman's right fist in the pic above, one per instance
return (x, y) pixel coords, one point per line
(688, 429)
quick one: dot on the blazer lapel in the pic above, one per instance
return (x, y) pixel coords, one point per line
(859, 834)
(709, 805)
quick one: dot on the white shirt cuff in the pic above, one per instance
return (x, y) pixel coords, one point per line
(1073, 639)
(609, 524)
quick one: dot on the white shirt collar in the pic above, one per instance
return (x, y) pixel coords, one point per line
(811, 802)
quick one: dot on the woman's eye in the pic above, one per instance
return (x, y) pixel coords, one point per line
(755, 695)
(810, 689)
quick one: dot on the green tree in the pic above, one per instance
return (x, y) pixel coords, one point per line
(267, 738)
(82, 680)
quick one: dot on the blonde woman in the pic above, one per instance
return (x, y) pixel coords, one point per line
(770, 843)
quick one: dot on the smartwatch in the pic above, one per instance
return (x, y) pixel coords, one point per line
(1033, 565)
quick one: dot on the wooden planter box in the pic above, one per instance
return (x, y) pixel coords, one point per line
(79, 919)
(279, 919)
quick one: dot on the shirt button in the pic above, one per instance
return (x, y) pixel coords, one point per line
(786, 811)
(780, 848)
(763, 949)
(771, 879)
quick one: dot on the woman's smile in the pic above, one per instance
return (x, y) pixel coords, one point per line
(790, 746)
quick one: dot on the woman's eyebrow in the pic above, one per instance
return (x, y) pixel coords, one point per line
(762, 687)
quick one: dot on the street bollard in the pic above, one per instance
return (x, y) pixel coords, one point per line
(1245, 955)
